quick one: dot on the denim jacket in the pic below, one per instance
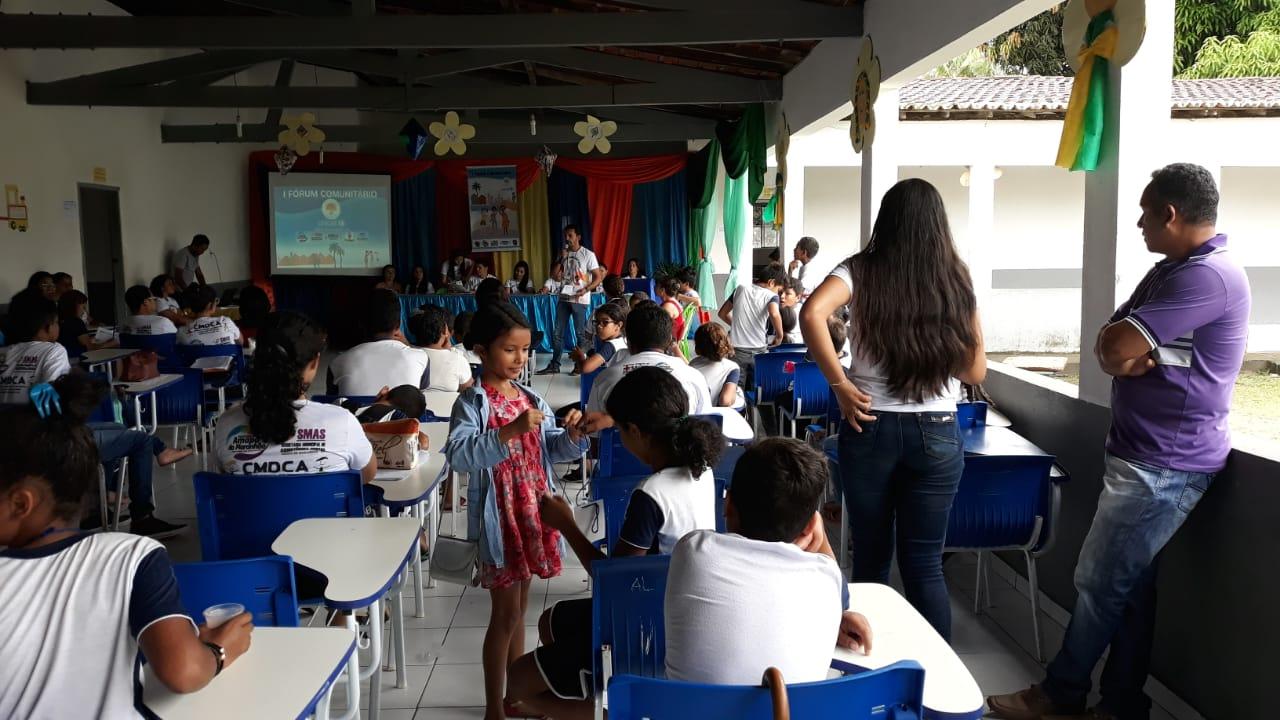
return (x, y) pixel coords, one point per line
(475, 448)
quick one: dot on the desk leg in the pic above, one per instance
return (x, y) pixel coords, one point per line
(137, 413)
(433, 528)
(155, 415)
(353, 673)
(397, 629)
(322, 707)
(374, 671)
(419, 608)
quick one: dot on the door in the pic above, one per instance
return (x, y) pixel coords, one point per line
(103, 252)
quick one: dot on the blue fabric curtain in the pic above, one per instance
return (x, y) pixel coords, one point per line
(567, 205)
(662, 212)
(540, 309)
(413, 225)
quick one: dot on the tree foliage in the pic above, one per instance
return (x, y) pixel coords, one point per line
(1034, 47)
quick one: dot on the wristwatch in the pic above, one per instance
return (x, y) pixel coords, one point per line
(219, 655)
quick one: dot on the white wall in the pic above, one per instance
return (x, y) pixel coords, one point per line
(831, 208)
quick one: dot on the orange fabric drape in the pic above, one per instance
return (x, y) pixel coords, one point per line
(610, 204)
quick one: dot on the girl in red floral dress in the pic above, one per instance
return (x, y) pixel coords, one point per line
(506, 437)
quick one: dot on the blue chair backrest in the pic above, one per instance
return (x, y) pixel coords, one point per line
(615, 459)
(106, 410)
(895, 692)
(789, 347)
(263, 585)
(587, 380)
(971, 414)
(182, 401)
(728, 461)
(999, 499)
(241, 515)
(627, 615)
(644, 285)
(615, 494)
(163, 345)
(188, 354)
(810, 391)
(770, 374)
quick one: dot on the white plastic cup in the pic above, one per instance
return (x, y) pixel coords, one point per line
(216, 615)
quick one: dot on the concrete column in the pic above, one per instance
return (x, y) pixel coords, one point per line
(880, 160)
(1114, 256)
(793, 221)
(982, 210)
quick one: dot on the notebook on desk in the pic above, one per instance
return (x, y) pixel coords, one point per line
(212, 363)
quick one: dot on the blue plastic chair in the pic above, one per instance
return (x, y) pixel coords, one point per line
(615, 494)
(164, 346)
(810, 394)
(1005, 503)
(615, 459)
(644, 285)
(895, 692)
(628, 634)
(263, 585)
(971, 414)
(790, 347)
(771, 377)
(188, 354)
(241, 515)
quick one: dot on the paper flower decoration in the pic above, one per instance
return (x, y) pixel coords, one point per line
(546, 160)
(1095, 33)
(866, 88)
(452, 134)
(595, 134)
(300, 132)
(414, 137)
(285, 158)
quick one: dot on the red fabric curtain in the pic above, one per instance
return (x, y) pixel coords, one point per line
(625, 170)
(610, 204)
(264, 160)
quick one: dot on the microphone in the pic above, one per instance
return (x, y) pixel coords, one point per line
(216, 264)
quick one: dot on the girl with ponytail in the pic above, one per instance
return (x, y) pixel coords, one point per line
(276, 430)
(650, 409)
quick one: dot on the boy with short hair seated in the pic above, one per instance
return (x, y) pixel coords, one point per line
(772, 579)
(143, 319)
(206, 328)
(385, 360)
(447, 370)
(35, 355)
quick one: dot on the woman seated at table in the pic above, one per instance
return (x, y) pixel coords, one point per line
(389, 280)
(633, 270)
(277, 430)
(520, 281)
(74, 333)
(418, 283)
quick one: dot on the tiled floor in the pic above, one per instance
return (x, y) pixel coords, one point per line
(446, 680)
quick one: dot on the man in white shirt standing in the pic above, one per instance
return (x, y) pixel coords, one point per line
(749, 313)
(385, 361)
(768, 593)
(186, 262)
(803, 254)
(582, 275)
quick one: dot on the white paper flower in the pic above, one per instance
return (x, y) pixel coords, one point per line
(866, 87)
(300, 133)
(595, 134)
(452, 135)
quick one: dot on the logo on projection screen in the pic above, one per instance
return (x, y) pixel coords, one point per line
(330, 209)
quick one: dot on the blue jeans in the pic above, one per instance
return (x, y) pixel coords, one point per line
(564, 311)
(899, 477)
(114, 442)
(1139, 510)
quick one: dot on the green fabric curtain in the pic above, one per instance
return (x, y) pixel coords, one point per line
(737, 223)
(744, 144)
(703, 170)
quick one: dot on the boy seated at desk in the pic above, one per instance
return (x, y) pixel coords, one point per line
(35, 355)
(206, 328)
(143, 319)
(771, 578)
(447, 370)
(385, 360)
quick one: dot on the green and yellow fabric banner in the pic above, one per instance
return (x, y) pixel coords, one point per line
(1082, 130)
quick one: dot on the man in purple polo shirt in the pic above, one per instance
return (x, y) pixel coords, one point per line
(1174, 349)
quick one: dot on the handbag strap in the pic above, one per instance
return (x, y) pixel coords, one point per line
(778, 691)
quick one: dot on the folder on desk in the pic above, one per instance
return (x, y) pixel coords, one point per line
(212, 362)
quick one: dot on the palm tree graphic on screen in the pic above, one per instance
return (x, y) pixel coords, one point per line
(337, 252)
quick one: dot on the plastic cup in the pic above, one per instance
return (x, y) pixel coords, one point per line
(216, 615)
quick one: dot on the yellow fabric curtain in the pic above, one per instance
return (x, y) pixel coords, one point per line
(535, 238)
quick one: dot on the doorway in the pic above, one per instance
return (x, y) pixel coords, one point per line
(103, 252)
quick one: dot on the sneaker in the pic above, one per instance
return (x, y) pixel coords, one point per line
(575, 372)
(549, 370)
(1029, 704)
(155, 528)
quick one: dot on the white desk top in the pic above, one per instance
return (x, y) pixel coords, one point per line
(898, 632)
(284, 671)
(94, 357)
(736, 428)
(360, 556)
(405, 487)
(162, 380)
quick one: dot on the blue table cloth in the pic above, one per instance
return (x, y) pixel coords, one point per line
(540, 309)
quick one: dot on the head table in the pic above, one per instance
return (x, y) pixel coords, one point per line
(540, 309)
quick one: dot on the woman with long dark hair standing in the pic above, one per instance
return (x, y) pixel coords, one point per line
(914, 335)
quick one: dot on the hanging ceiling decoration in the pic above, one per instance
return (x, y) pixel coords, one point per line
(300, 133)
(414, 137)
(285, 158)
(452, 134)
(546, 160)
(595, 134)
(866, 88)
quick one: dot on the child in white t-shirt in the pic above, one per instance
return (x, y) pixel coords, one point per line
(35, 355)
(555, 281)
(715, 361)
(143, 319)
(650, 410)
(447, 371)
(276, 430)
(772, 577)
(205, 328)
(165, 291)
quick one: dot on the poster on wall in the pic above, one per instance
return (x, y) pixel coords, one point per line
(495, 214)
